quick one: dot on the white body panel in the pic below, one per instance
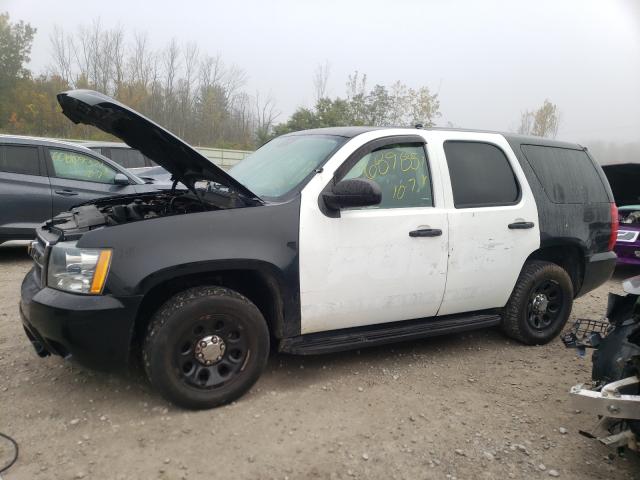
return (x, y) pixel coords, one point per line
(363, 268)
(485, 256)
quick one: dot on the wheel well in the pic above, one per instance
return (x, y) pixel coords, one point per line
(262, 290)
(569, 257)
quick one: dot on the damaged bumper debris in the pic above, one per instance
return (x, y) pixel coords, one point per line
(614, 392)
(609, 401)
(614, 408)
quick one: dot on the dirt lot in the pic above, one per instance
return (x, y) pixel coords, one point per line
(463, 406)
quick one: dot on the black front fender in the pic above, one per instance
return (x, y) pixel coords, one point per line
(262, 239)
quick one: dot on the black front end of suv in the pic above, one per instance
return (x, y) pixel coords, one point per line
(96, 330)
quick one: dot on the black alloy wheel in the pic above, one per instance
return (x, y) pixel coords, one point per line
(545, 304)
(211, 351)
(540, 303)
(205, 347)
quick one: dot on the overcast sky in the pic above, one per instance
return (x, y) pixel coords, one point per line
(489, 60)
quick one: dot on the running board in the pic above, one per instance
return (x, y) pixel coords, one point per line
(371, 335)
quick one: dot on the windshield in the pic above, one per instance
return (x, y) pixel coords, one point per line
(284, 163)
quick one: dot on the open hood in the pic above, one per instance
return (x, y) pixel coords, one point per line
(179, 158)
(624, 179)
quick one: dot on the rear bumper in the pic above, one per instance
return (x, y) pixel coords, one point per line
(95, 330)
(597, 270)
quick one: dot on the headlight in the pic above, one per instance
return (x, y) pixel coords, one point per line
(78, 270)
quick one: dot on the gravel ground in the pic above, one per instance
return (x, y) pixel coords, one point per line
(461, 406)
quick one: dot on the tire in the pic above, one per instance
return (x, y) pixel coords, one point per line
(205, 347)
(540, 303)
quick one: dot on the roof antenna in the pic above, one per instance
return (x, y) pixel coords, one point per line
(419, 125)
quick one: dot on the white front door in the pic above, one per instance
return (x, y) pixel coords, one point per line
(365, 266)
(493, 220)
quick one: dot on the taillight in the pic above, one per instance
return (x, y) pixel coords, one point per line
(614, 226)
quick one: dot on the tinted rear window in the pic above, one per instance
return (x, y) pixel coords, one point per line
(19, 159)
(481, 175)
(567, 175)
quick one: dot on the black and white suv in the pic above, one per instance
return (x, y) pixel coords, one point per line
(320, 241)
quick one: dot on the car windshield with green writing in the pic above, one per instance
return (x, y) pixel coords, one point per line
(282, 165)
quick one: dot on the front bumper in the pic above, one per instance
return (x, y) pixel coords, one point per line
(94, 329)
(628, 254)
(597, 270)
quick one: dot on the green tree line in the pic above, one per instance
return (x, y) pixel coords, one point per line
(195, 95)
(398, 105)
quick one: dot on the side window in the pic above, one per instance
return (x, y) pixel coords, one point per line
(480, 175)
(148, 162)
(97, 150)
(127, 157)
(567, 175)
(401, 171)
(76, 166)
(19, 159)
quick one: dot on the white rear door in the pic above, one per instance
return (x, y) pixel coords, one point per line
(493, 219)
(365, 266)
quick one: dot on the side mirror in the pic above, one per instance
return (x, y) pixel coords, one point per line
(354, 192)
(120, 179)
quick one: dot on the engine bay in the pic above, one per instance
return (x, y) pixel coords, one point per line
(144, 207)
(628, 215)
(137, 207)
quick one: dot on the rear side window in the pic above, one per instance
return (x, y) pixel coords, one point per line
(481, 175)
(567, 175)
(19, 159)
(128, 157)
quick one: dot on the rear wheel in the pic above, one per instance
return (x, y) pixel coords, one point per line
(540, 304)
(205, 347)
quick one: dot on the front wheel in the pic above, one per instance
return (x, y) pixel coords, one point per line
(205, 347)
(540, 303)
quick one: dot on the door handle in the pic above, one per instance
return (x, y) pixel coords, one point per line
(426, 232)
(66, 193)
(521, 225)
